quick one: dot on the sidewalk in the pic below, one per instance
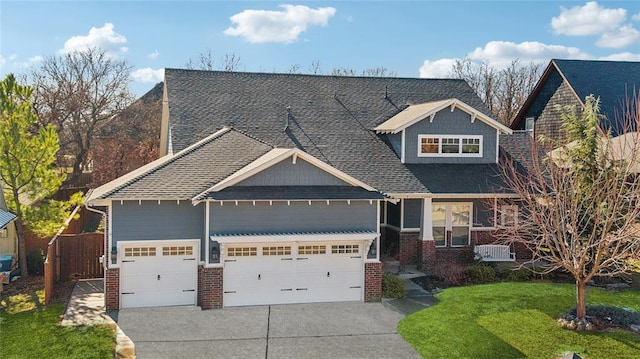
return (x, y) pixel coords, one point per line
(86, 306)
(416, 297)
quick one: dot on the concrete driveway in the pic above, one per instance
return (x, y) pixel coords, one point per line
(319, 330)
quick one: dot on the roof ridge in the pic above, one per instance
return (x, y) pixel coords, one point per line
(286, 74)
(251, 136)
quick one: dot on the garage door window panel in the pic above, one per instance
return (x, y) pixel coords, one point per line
(309, 250)
(276, 251)
(242, 251)
(140, 252)
(345, 249)
(177, 251)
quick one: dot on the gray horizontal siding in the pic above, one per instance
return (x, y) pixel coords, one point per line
(451, 123)
(152, 221)
(296, 217)
(286, 173)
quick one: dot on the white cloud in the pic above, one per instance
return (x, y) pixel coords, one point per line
(154, 55)
(148, 75)
(622, 37)
(590, 19)
(636, 17)
(501, 53)
(437, 69)
(623, 56)
(261, 26)
(104, 38)
(593, 19)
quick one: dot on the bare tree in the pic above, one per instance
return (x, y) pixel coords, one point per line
(77, 92)
(580, 204)
(380, 71)
(315, 67)
(504, 91)
(230, 62)
(129, 140)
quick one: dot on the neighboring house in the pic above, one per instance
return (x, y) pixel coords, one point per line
(282, 188)
(8, 239)
(568, 83)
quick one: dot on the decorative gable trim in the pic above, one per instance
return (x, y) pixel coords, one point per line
(274, 157)
(419, 112)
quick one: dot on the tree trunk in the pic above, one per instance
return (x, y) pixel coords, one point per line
(22, 249)
(581, 299)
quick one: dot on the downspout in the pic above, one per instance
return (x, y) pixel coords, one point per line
(105, 262)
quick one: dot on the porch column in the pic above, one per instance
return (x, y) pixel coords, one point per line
(426, 223)
(427, 256)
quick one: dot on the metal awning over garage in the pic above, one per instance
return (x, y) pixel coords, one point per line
(295, 237)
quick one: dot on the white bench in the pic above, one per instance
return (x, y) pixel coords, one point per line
(494, 253)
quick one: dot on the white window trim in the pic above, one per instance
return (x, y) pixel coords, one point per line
(448, 227)
(441, 137)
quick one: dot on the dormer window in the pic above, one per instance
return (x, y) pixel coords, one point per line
(449, 146)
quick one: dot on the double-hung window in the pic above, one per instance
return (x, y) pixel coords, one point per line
(449, 146)
(454, 218)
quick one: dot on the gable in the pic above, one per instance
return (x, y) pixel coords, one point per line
(288, 173)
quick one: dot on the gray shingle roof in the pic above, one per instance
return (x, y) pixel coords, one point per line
(329, 117)
(612, 81)
(460, 178)
(293, 193)
(195, 170)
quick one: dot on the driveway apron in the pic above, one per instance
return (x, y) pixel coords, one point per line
(319, 330)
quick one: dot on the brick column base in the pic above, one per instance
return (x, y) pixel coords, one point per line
(210, 287)
(428, 256)
(409, 243)
(112, 289)
(372, 282)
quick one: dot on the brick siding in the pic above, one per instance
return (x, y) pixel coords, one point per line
(210, 287)
(372, 282)
(427, 256)
(112, 289)
(409, 243)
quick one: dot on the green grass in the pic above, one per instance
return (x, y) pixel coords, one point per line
(30, 330)
(515, 320)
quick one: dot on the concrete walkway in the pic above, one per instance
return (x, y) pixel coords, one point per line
(86, 306)
(416, 297)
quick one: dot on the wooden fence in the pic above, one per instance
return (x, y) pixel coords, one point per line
(72, 256)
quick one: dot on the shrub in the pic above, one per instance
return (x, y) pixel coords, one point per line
(35, 262)
(452, 274)
(392, 286)
(518, 275)
(480, 273)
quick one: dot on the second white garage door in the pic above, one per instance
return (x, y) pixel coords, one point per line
(158, 274)
(257, 274)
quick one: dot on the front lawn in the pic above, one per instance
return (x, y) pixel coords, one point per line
(515, 320)
(29, 329)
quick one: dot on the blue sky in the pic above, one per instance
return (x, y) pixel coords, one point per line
(409, 38)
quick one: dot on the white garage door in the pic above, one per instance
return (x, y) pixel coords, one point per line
(158, 274)
(257, 274)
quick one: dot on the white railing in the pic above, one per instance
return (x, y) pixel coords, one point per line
(494, 253)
